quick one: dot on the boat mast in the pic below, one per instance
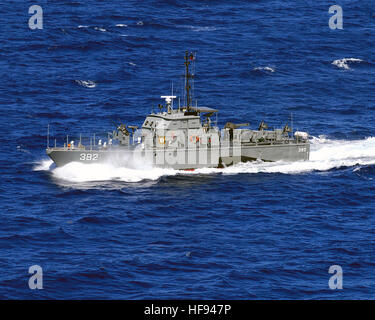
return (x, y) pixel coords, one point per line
(189, 57)
(48, 136)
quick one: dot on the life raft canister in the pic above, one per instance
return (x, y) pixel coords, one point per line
(194, 139)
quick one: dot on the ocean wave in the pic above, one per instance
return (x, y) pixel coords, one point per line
(365, 172)
(43, 165)
(346, 62)
(199, 29)
(19, 148)
(325, 154)
(265, 69)
(100, 29)
(86, 83)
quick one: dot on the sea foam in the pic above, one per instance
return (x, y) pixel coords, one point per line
(345, 62)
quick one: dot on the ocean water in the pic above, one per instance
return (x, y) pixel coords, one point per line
(252, 231)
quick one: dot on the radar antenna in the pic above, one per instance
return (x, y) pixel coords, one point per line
(169, 102)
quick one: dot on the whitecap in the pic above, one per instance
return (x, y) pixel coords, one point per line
(86, 83)
(267, 69)
(199, 29)
(345, 62)
(19, 148)
(100, 29)
(121, 25)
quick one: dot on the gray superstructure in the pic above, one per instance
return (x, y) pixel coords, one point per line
(186, 138)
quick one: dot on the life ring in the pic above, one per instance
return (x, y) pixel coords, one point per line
(162, 140)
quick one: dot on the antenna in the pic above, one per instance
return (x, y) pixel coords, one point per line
(189, 57)
(182, 89)
(172, 94)
(291, 122)
(193, 75)
(48, 136)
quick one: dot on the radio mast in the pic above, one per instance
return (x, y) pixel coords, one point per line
(189, 58)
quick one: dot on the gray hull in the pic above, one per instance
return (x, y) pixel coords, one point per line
(284, 152)
(182, 158)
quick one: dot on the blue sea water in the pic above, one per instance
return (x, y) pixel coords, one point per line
(253, 231)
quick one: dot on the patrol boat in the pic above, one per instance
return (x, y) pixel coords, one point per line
(185, 138)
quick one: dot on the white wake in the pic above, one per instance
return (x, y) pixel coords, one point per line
(325, 154)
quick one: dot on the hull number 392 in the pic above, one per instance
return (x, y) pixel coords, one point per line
(89, 156)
